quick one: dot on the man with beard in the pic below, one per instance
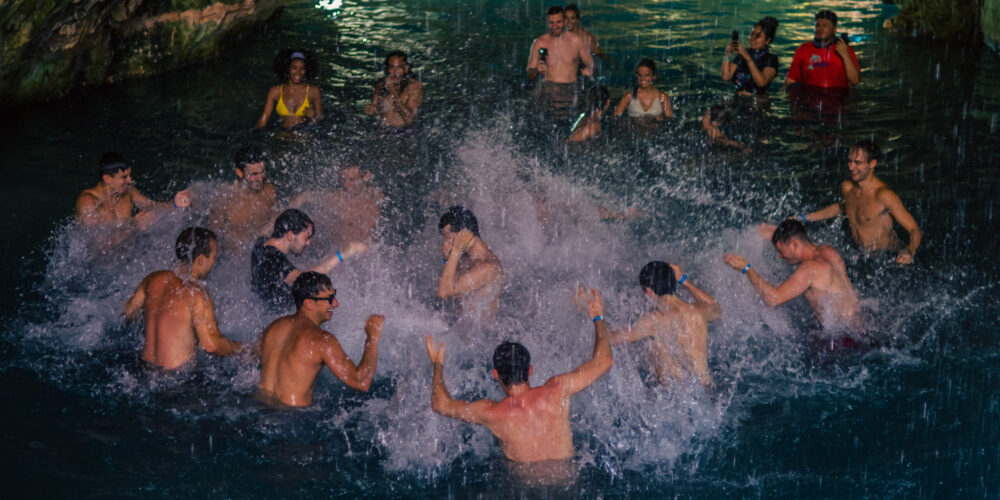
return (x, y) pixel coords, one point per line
(556, 57)
(115, 199)
(398, 96)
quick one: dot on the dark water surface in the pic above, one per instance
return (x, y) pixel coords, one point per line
(915, 418)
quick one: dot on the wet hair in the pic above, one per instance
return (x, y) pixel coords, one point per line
(768, 26)
(283, 59)
(110, 164)
(827, 14)
(512, 361)
(247, 155)
(403, 82)
(308, 284)
(789, 229)
(192, 242)
(555, 9)
(647, 63)
(659, 277)
(869, 148)
(572, 8)
(597, 98)
(293, 220)
(395, 53)
(459, 218)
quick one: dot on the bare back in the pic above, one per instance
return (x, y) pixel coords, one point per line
(680, 343)
(830, 292)
(169, 315)
(533, 425)
(870, 220)
(290, 360)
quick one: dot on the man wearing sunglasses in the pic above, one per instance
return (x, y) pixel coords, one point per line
(294, 348)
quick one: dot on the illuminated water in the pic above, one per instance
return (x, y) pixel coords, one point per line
(914, 419)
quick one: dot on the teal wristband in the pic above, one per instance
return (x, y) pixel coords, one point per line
(597, 318)
(341, 257)
(747, 268)
(682, 280)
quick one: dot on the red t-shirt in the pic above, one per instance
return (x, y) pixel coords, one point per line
(820, 67)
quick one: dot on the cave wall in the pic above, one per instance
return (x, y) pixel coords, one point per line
(50, 47)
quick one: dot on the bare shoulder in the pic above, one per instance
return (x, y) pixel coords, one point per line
(885, 194)
(847, 186)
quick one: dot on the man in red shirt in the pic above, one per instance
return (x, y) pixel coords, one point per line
(827, 61)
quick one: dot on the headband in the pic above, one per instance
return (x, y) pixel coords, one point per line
(297, 55)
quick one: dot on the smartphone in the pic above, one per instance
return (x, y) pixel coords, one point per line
(736, 35)
(543, 54)
(843, 36)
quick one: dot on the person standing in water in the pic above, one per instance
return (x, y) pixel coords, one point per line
(645, 100)
(757, 66)
(556, 58)
(531, 423)
(115, 198)
(177, 308)
(820, 275)
(355, 206)
(872, 207)
(397, 96)
(573, 17)
(295, 101)
(471, 272)
(244, 209)
(294, 348)
(679, 329)
(825, 62)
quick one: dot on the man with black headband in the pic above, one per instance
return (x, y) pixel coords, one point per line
(827, 61)
(397, 96)
(115, 198)
(532, 423)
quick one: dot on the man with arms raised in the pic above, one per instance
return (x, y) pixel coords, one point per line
(115, 198)
(532, 423)
(556, 57)
(679, 329)
(471, 272)
(178, 309)
(820, 275)
(397, 96)
(871, 207)
(243, 209)
(294, 348)
(272, 274)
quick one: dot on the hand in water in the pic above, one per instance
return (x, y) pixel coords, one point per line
(594, 306)
(373, 327)
(182, 199)
(735, 261)
(436, 355)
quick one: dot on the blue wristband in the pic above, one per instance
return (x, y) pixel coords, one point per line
(597, 318)
(747, 268)
(341, 257)
(682, 280)
(444, 261)
(804, 218)
(175, 204)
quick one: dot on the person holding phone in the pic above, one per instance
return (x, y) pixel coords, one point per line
(756, 66)
(827, 61)
(555, 58)
(397, 97)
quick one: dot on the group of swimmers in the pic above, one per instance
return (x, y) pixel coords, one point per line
(531, 423)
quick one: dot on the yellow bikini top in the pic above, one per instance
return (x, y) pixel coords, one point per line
(282, 110)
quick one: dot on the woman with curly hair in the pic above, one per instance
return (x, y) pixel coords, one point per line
(295, 101)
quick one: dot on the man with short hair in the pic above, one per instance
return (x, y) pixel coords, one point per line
(397, 96)
(354, 207)
(825, 62)
(556, 57)
(679, 329)
(243, 209)
(115, 198)
(531, 423)
(294, 348)
(820, 275)
(272, 274)
(872, 207)
(472, 273)
(178, 310)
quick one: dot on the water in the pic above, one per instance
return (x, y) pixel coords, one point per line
(914, 419)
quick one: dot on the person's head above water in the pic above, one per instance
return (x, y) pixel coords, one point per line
(826, 27)
(572, 13)
(401, 59)
(511, 364)
(283, 61)
(292, 220)
(197, 247)
(659, 277)
(110, 164)
(870, 149)
(458, 218)
(789, 230)
(768, 27)
(309, 285)
(645, 74)
(248, 154)
(249, 165)
(556, 18)
(597, 98)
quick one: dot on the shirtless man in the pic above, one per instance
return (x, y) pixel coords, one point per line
(115, 198)
(556, 56)
(531, 423)
(294, 348)
(178, 309)
(245, 208)
(272, 274)
(573, 26)
(355, 207)
(820, 275)
(679, 329)
(397, 97)
(871, 207)
(471, 272)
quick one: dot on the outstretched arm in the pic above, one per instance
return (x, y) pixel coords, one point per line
(333, 260)
(207, 329)
(899, 213)
(357, 377)
(476, 412)
(598, 364)
(795, 285)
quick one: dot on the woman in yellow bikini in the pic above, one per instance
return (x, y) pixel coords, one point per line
(296, 102)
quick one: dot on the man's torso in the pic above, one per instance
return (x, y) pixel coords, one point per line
(289, 364)
(534, 426)
(820, 67)
(563, 59)
(170, 336)
(870, 220)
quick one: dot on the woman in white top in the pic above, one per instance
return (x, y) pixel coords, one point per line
(645, 101)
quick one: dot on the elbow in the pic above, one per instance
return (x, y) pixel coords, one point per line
(714, 313)
(211, 347)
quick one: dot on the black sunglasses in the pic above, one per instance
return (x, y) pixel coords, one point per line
(327, 299)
